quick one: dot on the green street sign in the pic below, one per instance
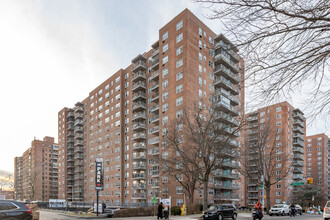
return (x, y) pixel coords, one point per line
(154, 200)
(261, 187)
(297, 184)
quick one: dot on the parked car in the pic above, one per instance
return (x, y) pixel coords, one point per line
(109, 213)
(326, 211)
(220, 212)
(279, 209)
(298, 209)
(14, 210)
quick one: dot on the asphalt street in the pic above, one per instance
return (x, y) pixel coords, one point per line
(57, 215)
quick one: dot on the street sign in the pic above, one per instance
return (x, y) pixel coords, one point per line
(297, 184)
(261, 187)
(99, 174)
(154, 200)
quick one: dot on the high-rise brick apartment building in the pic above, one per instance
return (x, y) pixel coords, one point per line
(123, 120)
(37, 171)
(18, 177)
(283, 130)
(316, 156)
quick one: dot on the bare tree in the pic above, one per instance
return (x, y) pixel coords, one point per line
(311, 195)
(266, 163)
(285, 45)
(198, 145)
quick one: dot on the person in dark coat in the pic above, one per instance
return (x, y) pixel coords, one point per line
(160, 210)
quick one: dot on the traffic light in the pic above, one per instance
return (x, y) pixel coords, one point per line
(310, 180)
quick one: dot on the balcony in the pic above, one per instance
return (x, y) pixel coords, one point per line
(140, 156)
(231, 164)
(298, 129)
(298, 142)
(222, 82)
(139, 86)
(222, 59)
(78, 150)
(79, 170)
(79, 136)
(139, 146)
(297, 176)
(139, 196)
(140, 115)
(139, 106)
(155, 173)
(78, 156)
(298, 157)
(223, 92)
(139, 95)
(139, 126)
(139, 76)
(298, 136)
(154, 86)
(297, 170)
(221, 70)
(226, 197)
(154, 119)
(298, 122)
(79, 122)
(153, 130)
(78, 109)
(229, 109)
(138, 176)
(226, 118)
(155, 97)
(155, 75)
(156, 52)
(139, 166)
(154, 108)
(298, 150)
(140, 136)
(155, 63)
(155, 151)
(70, 158)
(298, 115)
(226, 175)
(70, 140)
(298, 163)
(78, 129)
(78, 176)
(253, 125)
(70, 133)
(78, 143)
(139, 186)
(79, 115)
(154, 141)
(228, 186)
(139, 65)
(70, 114)
(225, 46)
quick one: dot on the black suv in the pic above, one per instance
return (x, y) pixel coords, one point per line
(14, 210)
(220, 212)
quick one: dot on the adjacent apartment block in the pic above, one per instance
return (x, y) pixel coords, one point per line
(36, 172)
(277, 131)
(317, 156)
(124, 119)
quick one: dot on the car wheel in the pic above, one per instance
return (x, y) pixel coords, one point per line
(283, 213)
(234, 217)
(270, 214)
(220, 217)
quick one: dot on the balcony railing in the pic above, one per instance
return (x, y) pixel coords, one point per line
(223, 69)
(220, 80)
(139, 146)
(139, 176)
(230, 63)
(139, 64)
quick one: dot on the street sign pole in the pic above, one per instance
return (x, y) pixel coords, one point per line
(98, 181)
(97, 203)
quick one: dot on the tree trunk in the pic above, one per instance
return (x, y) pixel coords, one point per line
(205, 193)
(267, 187)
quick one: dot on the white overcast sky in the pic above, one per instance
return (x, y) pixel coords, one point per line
(53, 53)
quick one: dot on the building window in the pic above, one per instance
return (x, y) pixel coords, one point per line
(165, 84)
(165, 36)
(165, 48)
(179, 76)
(278, 109)
(179, 101)
(179, 88)
(179, 114)
(179, 50)
(179, 63)
(179, 38)
(165, 72)
(165, 96)
(179, 25)
(179, 202)
(165, 60)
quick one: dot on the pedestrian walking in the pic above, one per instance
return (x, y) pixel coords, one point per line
(160, 211)
(166, 212)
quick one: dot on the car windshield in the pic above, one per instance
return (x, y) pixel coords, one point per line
(328, 204)
(212, 207)
(278, 206)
